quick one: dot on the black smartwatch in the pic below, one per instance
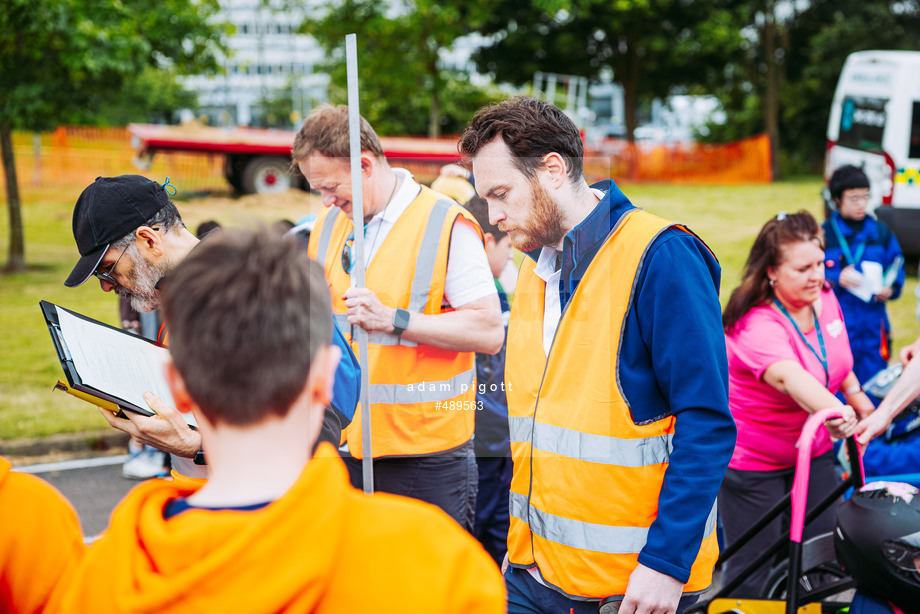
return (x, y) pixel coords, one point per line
(198, 459)
(400, 321)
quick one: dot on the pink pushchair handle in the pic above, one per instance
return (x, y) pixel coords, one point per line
(803, 468)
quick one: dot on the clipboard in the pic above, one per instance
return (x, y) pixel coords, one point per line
(74, 384)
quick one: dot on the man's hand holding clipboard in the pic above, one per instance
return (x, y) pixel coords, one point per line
(121, 373)
(163, 431)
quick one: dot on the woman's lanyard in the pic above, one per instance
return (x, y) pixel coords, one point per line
(823, 357)
(844, 246)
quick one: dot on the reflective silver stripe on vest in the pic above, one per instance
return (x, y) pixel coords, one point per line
(588, 447)
(711, 521)
(423, 392)
(587, 535)
(427, 255)
(521, 428)
(601, 449)
(377, 338)
(325, 236)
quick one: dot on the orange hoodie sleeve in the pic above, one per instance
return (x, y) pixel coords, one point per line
(40, 540)
(409, 556)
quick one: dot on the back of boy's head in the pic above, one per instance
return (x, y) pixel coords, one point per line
(247, 313)
(846, 178)
(480, 210)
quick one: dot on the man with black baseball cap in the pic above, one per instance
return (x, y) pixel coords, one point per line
(130, 235)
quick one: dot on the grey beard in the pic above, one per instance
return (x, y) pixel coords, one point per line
(144, 297)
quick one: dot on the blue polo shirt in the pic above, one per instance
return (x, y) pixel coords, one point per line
(672, 363)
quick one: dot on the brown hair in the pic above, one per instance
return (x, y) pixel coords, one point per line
(782, 230)
(247, 313)
(480, 210)
(531, 129)
(325, 131)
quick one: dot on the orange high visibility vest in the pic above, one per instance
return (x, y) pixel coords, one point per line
(586, 478)
(407, 379)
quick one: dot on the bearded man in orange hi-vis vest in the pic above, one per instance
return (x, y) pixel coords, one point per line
(276, 527)
(430, 304)
(616, 377)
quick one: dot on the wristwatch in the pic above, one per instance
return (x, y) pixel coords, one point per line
(199, 457)
(400, 321)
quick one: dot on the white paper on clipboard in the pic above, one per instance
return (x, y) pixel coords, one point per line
(871, 282)
(120, 365)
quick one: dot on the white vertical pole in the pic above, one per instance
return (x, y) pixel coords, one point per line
(570, 107)
(357, 207)
(551, 88)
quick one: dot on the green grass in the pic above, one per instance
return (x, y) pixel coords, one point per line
(726, 217)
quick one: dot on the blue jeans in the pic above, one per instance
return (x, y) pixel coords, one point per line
(527, 596)
(492, 518)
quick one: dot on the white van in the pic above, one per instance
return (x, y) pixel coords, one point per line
(875, 124)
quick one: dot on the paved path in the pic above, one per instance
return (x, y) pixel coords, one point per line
(94, 486)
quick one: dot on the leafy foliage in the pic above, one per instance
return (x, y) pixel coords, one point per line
(153, 95)
(402, 88)
(60, 56)
(811, 47)
(651, 47)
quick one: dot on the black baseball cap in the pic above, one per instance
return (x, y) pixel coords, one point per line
(107, 210)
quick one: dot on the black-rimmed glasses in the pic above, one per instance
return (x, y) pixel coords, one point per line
(107, 274)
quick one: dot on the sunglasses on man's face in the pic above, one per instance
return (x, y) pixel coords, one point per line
(348, 260)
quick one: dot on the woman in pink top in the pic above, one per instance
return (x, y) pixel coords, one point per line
(788, 353)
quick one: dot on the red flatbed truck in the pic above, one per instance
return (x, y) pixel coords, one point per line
(259, 160)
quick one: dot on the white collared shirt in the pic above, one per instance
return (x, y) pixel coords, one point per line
(469, 276)
(552, 304)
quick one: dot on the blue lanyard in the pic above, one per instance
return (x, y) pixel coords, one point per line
(823, 357)
(844, 246)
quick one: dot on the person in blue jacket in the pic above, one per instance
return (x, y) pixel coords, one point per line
(670, 362)
(865, 266)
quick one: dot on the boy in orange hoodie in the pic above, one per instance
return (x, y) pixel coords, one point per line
(40, 540)
(274, 529)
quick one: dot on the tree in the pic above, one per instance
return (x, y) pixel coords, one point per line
(60, 56)
(784, 80)
(652, 47)
(399, 47)
(153, 95)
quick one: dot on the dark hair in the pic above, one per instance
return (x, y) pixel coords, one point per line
(766, 252)
(165, 219)
(206, 227)
(480, 210)
(246, 315)
(325, 131)
(531, 129)
(846, 178)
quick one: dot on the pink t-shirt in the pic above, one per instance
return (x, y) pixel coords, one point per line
(769, 422)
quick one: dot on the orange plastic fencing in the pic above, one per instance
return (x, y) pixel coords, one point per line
(746, 161)
(73, 156)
